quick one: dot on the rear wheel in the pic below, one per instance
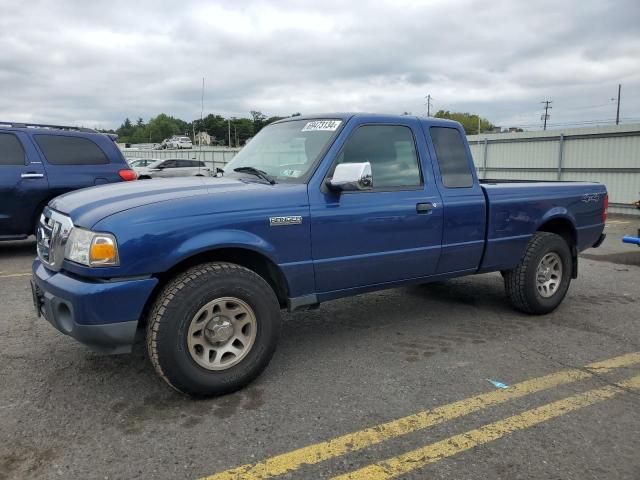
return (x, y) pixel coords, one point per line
(541, 280)
(213, 329)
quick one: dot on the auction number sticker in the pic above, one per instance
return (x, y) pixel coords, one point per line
(322, 126)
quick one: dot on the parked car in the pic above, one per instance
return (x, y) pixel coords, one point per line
(312, 209)
(40, 162)
(140, 162)
(179, 143)
(173, 168)
(162, 145)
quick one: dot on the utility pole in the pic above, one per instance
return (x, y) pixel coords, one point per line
(428, 104)
(201, 117)
(229, 124)
(546, 116)
(478, 124)
(235, 131)
(618, 109)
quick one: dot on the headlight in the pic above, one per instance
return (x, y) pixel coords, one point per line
(92, 249)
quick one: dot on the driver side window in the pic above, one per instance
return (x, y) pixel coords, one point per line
(391, 151)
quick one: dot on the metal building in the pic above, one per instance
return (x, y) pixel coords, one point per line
(606, 154)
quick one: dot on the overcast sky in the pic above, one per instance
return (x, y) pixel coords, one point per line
(94, 63)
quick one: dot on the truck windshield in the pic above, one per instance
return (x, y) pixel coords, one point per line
(286, 151)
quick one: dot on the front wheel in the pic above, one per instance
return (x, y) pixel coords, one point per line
(213, 329)
(541, 280)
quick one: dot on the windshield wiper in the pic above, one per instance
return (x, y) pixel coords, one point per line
(258, 173)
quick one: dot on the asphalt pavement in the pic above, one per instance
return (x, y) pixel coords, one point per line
(402, 383)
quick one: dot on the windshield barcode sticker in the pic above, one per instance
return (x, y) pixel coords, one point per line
(322, 125)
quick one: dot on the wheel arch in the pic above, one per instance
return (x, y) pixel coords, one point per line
(564, 226)
(244, 256)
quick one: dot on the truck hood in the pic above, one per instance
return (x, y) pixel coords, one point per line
(88, 206)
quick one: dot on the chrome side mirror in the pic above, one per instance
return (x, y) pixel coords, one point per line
(351, 176)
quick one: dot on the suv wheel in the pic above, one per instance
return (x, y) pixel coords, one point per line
(213, 329)
(541, 280)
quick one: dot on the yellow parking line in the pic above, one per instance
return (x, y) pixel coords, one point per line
(352, 442)
(448, 447)
(617, 222)
(9, 275)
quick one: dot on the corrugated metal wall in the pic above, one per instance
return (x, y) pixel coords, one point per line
(608, 154)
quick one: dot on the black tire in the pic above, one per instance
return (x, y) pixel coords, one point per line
(520, 283)
(177, 305)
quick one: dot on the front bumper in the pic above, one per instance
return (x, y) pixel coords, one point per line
(103, 315)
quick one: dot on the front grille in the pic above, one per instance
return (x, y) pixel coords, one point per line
(53, 231)
(45, 230)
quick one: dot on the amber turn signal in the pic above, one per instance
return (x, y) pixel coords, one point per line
(103, 251)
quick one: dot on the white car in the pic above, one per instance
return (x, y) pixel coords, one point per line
(173, 168)
(180, 143)
(139, 162)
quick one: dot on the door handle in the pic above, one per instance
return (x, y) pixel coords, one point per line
(424, 207)
(32, 175)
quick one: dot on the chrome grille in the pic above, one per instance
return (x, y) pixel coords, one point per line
(43, 236)
(53, 232)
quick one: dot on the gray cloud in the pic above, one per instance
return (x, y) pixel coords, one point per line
(94, 63)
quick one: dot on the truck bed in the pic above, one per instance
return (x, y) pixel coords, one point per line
(517, 208)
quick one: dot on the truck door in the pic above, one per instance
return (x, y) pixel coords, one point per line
(463, 200)
(23, 184)
(388, 234)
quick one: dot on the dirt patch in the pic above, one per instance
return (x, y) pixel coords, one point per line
(24, 461)
(623, 258)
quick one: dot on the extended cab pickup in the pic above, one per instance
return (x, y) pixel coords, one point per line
(312, 209)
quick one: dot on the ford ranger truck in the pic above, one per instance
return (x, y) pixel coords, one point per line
(311, 210)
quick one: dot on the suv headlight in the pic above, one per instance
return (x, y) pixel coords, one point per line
(91, 249)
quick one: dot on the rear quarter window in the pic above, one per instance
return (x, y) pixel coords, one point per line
(452, 157)
(11, 151)
(69, 150)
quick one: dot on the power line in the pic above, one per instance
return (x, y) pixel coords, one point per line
(546, 116)
(586, 107)
(580, 123)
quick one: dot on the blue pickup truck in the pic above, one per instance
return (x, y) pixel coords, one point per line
(312, 209)
(39, 162)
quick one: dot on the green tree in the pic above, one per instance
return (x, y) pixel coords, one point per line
(163, 126)
(469, 121)
(258, 120)
(125, 130)
(214, 125)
